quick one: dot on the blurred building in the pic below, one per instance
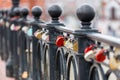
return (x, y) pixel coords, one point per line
(5, 4)
(31, 3)
(111, 9)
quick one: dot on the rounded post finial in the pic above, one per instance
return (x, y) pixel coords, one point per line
(16, 11)
(36, 11)
(24, 12)
(10, 13)
(85, 13)
(55, 11)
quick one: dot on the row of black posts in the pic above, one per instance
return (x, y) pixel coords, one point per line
(15, 42)
(29, 58)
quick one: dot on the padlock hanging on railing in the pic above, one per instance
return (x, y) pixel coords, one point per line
(14, 27)
(93, 53)
(38, 34)
(29, 32)
(114, 62)
(89, 53)
(60, 41)
(69, 43)
(45, 36)
(1, 22)
(25, 75)
(7, 24)
(100, 55)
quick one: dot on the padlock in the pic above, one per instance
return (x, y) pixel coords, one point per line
(117, 52)
(60, 41)
(45, 36)
(95, 54)
(90, 55)
(69, 44)
(25, 75)
(1, 22)
(17, 28)
(75, 46)
(12, 27)
(7, 24)
(25, 29)
(38, 34)
(114, 64)
(89, 48)
(29, 32)
(100, 55)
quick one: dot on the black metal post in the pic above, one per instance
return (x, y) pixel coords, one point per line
(5, 48)
(85, 13)
(15, 41)
(7, 24)
(2, 34)
(9, 63)
(22, 43)
(55, 12)
(36, 11)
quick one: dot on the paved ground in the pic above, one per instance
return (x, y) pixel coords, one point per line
(2, 71)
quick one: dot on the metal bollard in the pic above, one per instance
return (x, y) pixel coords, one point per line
(22, 43)
(85, 14)
(1, 34)
(5, 51)
(36, 71)
(13, 57)
(9, 63)
(7, 24)
(55, 12)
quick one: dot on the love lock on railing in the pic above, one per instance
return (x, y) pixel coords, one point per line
(94, 53)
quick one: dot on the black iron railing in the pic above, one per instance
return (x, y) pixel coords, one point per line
(38, 50)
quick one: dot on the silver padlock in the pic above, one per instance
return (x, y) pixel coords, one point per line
(69, 44)
(45, 36)
(25, 29)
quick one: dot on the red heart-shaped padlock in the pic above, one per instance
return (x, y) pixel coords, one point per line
(100, 56)
(60, 41)
(88, 48)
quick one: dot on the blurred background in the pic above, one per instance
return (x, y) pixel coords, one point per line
(107, 18)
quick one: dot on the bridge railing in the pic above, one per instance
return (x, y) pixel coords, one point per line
(41, 51)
